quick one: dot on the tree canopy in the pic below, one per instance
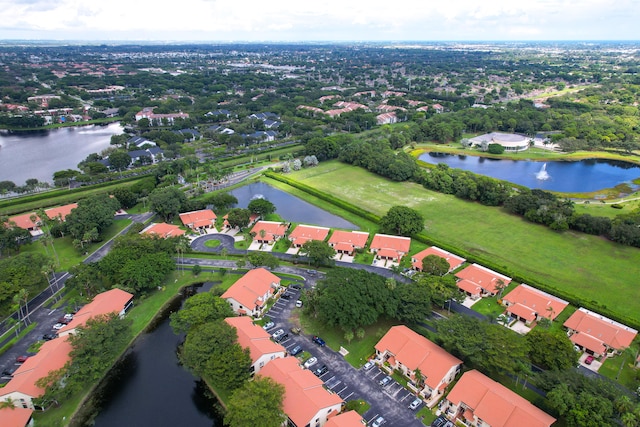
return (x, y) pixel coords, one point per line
(199, 309)
(402, 221)
(256, 403)
(167, 202)
(262, 207)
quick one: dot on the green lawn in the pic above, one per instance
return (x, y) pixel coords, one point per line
(621, 369)
(212, 243)
(587, 267)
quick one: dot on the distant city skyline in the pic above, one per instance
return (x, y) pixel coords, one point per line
(328, 20)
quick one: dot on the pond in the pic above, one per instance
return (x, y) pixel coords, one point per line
(562, 176)
(290, 207)
(150, 388)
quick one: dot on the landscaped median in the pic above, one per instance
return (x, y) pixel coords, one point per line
(583, 269)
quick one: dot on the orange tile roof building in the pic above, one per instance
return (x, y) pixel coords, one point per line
(112, 301)
(453, 260)
(199, 220)
(477, 281)
(252, 219)
(390, 247)
(346, 242)
(250, 293)
(22, 388)
(25, 222)
(407, 351)
(257, 340)
(347, 419)
(16, 417)
(305, 233)
(60, 212)
(530, 304)
(597, 334)
(163, 230)
(272, 231)
(306, 402)
(481, 402)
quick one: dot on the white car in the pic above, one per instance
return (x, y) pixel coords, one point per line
(268, 326)
(378, 422)
(277, 334)
(68, 316)
(58, 326)
(414, 405)
(368, 365)
(309, 363)
(298, 303)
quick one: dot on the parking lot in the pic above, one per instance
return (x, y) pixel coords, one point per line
(390, 401)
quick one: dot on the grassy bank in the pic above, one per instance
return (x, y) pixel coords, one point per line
(588, 267)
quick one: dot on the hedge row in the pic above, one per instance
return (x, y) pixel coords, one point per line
(423, 238)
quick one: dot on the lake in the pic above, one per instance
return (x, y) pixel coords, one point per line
(25, 155)
(567, 177)
(150, 388)
(290, 207)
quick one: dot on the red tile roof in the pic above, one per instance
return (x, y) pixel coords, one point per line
(250, 288)
(24, 221)
(52, 356)
(114, 300)
(415, 351)
(354, 239)
(453, 260)
(163, 230)
(197, 219)
(304, 233)
(304, 394)
(61, 211)
(495, 404)
(602, 329)
(398, 244)
(347, 419)
(15, 416)
(483, 277)
(253, 337)
(273, 230)
(535, 301)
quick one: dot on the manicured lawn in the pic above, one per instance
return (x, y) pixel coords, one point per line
(627, 376)
(359, 350)
(489, 307)
(587, 267)
(426, 415)
(212, 243)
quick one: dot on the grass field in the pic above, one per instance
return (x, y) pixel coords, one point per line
(587, 267)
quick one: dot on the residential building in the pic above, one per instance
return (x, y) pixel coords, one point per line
(16, 417)
(478, 401)
(201, 220)
(478, 281)
(306, 402)
(346, 419)
(249, 295)
(531, 305)
(387, 247)
(510, 141)
(140, 142)
(406, 351)
(159, 119)
(597, 334)
(269, 231)
(163, 230)
(304, 233)
(253, 218)
(111, 301)
(60, 212)
(346, 242)
(386, 118)
(28, 221)
(22, 388)
(147, 156)
(261, 348)
(453, 260)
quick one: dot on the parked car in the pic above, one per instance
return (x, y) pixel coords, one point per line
(49, 337)
(298, 303)
(285, 296)
(368, 365)
(282, 338)
(316, 339)
(277, 334)
(589, 360)
(295, 286)
(310, 362)
(58, 326)
(22, 359)
(268, 326)
(296, 331)
(441, 421)
(68, 316)
(9, 371)
(386, 380)
(296, 350)
(378, 422)
(64, 320)
(321, 370)
(414, 405)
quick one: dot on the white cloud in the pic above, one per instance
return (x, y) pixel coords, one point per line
(325, 20)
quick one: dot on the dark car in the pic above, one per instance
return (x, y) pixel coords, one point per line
(318, 340)
(296, 350)
(321, 371)
(22, 359)
(295, 287)
(282, 337)
(64, 320)
(441, 421)
(285, 296)
(9, 371)
(49, 337)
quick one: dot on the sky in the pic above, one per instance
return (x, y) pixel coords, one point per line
(324, 20)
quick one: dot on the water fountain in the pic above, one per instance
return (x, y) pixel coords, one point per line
(542, 174)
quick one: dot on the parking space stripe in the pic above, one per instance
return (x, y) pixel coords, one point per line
(348, 396)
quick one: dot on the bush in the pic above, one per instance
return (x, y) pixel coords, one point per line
(496, 149)
(617, 206)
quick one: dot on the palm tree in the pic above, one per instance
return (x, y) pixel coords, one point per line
(500, 286)
(417, 374)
